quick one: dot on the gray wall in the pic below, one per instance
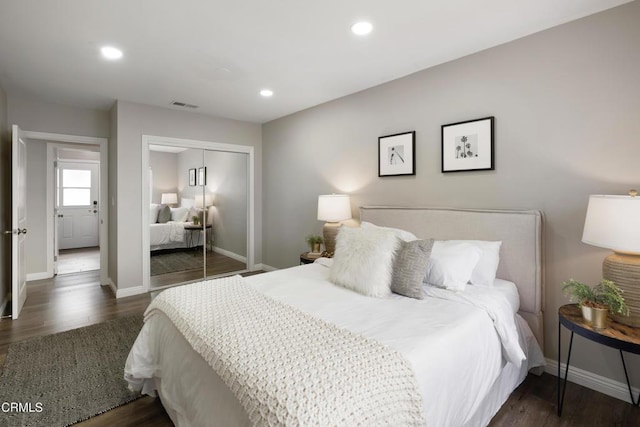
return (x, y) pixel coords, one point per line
(37, 115)
(66, 154)
(5, 200)
(566, 102)
(36, 239)
(227, 182)
(135, 120)
(165, 174)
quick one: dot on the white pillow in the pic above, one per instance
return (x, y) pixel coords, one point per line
(484, 274)
(451, 264)
(363, 260)
(403, 235)
(179, 214)
(153, 213)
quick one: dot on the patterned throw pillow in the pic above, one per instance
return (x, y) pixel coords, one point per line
(409, 268)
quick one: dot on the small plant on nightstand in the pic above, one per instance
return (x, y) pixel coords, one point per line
(196, 220)
(596, 301)
(314, 242)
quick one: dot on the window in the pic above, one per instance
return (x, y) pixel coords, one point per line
(76, 187)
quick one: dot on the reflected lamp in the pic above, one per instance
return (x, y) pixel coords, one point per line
(169, 199)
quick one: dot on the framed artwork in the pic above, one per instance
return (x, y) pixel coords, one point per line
(468, 146)
(202, 176)
(396, 154)
(192, 177)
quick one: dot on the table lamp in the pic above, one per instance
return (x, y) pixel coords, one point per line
(613, 222)
(169, 199)
(204, 202)
(332, 208)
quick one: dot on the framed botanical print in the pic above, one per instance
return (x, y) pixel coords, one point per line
(202, 176)
(192, 177)
(468, 146)
(396, 154)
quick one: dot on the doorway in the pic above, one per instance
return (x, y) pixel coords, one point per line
(62, 180)
(76, 207)
(44, 231)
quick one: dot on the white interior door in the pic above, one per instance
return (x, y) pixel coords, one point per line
(18, 221)
(77, 207)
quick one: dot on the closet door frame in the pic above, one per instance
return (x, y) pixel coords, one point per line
(146, 196)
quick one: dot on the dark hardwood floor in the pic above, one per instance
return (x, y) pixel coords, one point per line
(73, 301)
(216, 264)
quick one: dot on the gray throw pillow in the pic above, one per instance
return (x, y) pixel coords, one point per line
(164, 215)
(409, 268)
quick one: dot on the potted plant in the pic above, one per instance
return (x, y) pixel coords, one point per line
(196, 220)
(596, 301)
(314, 242)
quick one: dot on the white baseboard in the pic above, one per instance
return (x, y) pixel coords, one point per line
(129, 292)
(596, 382)
(230, 254)
(38, 276)
(264, 267)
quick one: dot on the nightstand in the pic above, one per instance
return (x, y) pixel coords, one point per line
(195, 229)
(305, 259)
(616, 335)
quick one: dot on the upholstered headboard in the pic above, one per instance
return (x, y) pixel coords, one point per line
(520, 254)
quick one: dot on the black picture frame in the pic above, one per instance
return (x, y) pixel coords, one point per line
(468, 146)
(202, 176)
(396, 154)
(192, 177)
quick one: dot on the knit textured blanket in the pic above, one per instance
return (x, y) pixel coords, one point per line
(289, 368)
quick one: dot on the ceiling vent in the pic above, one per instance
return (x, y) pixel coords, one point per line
(184, 104)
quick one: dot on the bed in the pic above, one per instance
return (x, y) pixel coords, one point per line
(173, 234)
(451, 341)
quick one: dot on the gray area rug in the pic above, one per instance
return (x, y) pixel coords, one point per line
(171, 262)
(74, 375)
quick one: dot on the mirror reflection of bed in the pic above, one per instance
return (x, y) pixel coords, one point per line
(197, 215)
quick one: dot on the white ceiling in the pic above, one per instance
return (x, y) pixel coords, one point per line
(219, 54)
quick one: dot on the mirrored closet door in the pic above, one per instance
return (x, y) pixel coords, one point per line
(198, 214)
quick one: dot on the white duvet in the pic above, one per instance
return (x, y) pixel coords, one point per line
(454, 347)
(168, 232)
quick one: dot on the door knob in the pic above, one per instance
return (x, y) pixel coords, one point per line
(16, 231)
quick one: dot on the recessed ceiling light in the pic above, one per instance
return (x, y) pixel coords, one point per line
(111, 52)
(266, 93)
(361, 28)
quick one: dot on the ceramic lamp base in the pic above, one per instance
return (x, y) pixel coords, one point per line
(329, 233)
(624, 271)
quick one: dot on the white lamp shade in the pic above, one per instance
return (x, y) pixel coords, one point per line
(613, 222)
(334, 207)
(203, 201)
(169, 199)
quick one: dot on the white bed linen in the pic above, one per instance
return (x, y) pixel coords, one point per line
(165, 233)
(510, 292)
(453, 348)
